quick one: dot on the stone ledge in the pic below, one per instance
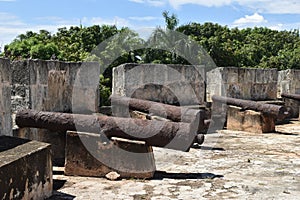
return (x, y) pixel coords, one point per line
(25, 169)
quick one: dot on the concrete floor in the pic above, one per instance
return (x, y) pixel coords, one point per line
(229, 165)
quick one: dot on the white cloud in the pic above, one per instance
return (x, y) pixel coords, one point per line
(272, 6)
(145, 18)
(254, 19)
(156, 3)
(278, 27)
(11, 26)
(208, 3)
(261, 6)
(118, 21)
(56, 20)
(281, 27)
(8, 19)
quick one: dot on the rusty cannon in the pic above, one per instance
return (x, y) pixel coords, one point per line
(174, 113)
(280, 112)
(291, 96)
(173, 135)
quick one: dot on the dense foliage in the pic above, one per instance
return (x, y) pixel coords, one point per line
(250, 47)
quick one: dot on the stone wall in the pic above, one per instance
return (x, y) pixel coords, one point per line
(58, 87)
(171, 84)
(20, 85)
(243, 83)
(289, 82)
(5, 94)
(49, 85)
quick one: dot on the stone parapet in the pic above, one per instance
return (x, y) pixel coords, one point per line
(170, 84)
(242, 83)
(25, 169)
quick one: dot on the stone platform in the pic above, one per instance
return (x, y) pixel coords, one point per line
(229, 165)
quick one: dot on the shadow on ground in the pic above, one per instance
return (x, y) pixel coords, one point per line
(61, 196)
(160, 175)
(196, 146)
(58, 184)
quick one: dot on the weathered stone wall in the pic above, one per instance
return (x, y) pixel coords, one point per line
(171, 84)
(59, 87)
(49, 85)
(289, 82)
(20, 85)
(243, 83)
(5, 94)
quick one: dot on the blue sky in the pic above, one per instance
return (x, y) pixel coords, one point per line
(19, 16)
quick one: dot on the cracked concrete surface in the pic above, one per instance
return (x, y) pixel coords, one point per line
(229, 165)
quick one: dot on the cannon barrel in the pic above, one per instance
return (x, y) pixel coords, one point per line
(291, 96)
(174, 113)
(279, 111)
(173, 135)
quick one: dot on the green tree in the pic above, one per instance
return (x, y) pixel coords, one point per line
(45, 52)
(171, 21)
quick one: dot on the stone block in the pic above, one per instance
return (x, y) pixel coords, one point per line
(271, 90)
(25, 169)
(5, 96)
(174, 73)
(248, 120)
(233, 77)
(20, 85)
(56, 139)
(234, 90)
(260, 76)
(56, 91)
(247, 75)
(94, 155)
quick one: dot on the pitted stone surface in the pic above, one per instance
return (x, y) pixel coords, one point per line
(242, 83)
(5, 95)
(230, 165)
(170, 84)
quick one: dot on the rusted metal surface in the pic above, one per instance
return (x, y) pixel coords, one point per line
(279, 111)
(291, 96)
(179, 136)
(174, 113)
